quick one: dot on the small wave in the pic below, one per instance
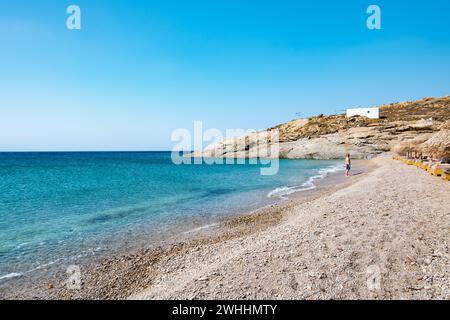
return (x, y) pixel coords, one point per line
(323, 172)
(11, 275)
(201, 228)
(283, 192)
(21, 245)
(43, 265)
(84, 253)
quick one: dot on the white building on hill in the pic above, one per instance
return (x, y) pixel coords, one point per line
(373, 113)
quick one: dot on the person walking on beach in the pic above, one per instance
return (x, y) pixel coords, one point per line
(348, 165)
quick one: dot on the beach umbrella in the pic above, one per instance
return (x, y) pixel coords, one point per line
(416, 144)
(438, 145)
(413, 146)
(401, 148)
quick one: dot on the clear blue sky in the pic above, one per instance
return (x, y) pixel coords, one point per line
(137, 70)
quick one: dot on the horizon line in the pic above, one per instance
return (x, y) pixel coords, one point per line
(86, 151)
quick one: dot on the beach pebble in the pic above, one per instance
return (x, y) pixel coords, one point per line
(203, 279)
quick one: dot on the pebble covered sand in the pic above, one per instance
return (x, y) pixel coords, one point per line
(386, 236)
(382, 234)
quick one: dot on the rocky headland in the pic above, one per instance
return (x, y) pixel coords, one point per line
(333, 136)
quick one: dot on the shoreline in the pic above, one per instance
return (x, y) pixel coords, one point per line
(170, 230)
(387, 219)
(383, 235)
(223, 228)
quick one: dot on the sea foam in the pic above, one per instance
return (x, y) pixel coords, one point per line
(283, 192)
(11, 275)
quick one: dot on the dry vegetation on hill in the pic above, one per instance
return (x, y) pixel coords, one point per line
(327, 137)
(437, 109)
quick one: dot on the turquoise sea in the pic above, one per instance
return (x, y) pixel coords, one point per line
(56, 208)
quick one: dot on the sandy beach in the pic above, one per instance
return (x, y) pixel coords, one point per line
(383, 233)
(384, 236)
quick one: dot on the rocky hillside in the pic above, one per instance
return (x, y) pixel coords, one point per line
(327, 137)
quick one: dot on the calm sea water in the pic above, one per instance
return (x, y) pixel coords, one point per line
(57, 207)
